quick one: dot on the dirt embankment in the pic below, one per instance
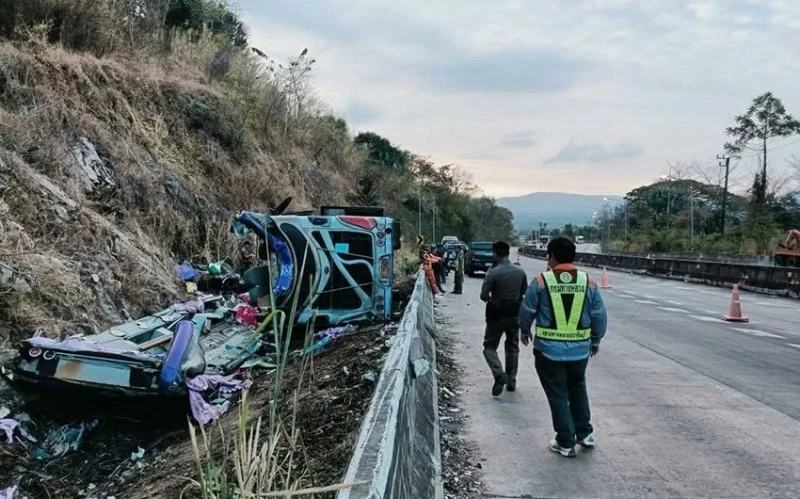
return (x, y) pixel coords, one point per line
(111, 167)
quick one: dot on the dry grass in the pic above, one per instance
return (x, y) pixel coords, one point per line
(185, 155)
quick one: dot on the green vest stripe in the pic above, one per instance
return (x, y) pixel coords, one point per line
(565, 329)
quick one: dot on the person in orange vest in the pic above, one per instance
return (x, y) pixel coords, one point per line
(428, 259)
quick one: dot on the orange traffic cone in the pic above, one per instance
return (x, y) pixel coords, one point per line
(735, 312)
(604, 284)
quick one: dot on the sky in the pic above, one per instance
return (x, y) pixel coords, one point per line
(583, 96)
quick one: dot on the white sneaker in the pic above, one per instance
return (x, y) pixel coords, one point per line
(589, 442)
(564, 451)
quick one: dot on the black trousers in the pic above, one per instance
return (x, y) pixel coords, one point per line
(491, 340)
(438, 270)
(564, 384)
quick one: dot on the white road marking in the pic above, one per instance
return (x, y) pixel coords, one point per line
(777, 305)
(672, 309)
(674, 302)
(793, 345)
(646, 302)
(758, 332)
(706, 318)
(684, 288)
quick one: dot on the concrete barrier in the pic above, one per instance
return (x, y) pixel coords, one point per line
(397, 454)
(783, 281)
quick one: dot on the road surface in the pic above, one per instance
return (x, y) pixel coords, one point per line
(683, 404)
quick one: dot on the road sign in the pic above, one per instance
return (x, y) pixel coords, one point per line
(420, 240)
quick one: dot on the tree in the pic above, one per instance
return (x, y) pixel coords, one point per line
(764, 119)
(195, 15)
(381, 151)
(295, 81)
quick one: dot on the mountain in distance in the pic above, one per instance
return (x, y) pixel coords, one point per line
(556, 209)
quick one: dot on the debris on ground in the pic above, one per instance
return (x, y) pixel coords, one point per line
(64, 439)
(200, 386)
(148, 455)
(8, 426)
(461, 467)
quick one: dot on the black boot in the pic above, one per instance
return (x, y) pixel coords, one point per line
(499, 383)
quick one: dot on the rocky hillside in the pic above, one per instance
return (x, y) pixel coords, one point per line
(110, 168)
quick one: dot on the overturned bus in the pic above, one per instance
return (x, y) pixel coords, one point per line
(336, 266)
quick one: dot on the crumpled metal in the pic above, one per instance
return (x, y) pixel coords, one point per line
(8, 425)
(76, 343)
(202, 410)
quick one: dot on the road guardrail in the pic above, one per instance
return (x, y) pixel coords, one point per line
(397, 453)
(783, 281)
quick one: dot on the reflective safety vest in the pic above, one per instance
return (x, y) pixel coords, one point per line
(563, 329)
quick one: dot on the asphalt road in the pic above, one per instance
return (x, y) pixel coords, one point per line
(684, 404)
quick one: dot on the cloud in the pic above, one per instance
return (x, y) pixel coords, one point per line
(576, 152)
(518, 140)
(360, 112)
(525, 70)
(451, 80)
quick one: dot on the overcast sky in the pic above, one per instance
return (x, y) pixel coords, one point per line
(589, 96)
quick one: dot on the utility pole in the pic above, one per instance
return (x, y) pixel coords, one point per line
(433, 240)
(727, 165)
(691, 223)
(419, 209)
(625, 208)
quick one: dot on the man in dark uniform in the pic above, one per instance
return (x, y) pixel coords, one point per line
(458, 278)
(502, 290)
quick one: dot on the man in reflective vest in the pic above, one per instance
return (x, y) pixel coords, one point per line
(570, 322)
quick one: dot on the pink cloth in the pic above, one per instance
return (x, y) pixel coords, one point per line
(247, 315)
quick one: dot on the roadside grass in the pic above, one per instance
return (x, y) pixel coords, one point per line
(261, 458)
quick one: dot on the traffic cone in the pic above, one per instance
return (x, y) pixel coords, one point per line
(735, 312)
(604, 284)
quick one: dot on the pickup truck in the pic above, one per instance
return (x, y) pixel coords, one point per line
(479, 258)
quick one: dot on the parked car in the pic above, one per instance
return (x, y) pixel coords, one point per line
(449, 239)
(479, 258)
(578, 239)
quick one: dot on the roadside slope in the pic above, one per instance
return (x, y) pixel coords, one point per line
(111, 167)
